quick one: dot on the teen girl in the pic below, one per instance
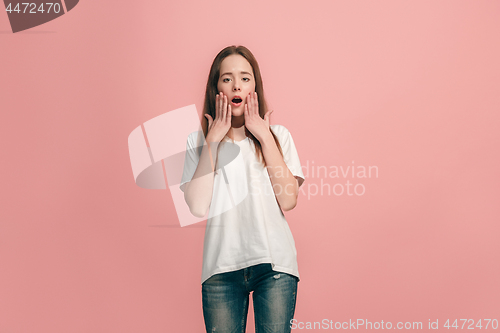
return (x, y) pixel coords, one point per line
(248, 245)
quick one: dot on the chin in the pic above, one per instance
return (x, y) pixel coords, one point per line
(237, 113)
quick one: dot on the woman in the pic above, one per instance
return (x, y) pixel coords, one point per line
(248, 245)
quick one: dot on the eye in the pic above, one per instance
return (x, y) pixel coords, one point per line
(246, 79)
(224, 80)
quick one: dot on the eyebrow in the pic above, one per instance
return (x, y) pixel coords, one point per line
(229, 73)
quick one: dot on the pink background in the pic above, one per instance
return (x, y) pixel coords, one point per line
(411, 87)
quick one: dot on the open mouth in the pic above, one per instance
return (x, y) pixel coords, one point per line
(236, 100)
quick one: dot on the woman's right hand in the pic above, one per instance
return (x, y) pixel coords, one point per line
(218, 128)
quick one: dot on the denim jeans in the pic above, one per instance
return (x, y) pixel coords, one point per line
(226, 296)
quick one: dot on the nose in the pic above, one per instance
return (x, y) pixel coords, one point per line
(236, 87)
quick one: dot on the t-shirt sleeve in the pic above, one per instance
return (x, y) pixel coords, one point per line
(290, 154)
(191, 160)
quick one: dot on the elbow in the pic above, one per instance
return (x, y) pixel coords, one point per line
(195, 208)
(289, 205)
(198, 211)
(289, 201)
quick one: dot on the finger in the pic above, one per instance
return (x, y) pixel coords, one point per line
(252, 102)
(222, 104)
(256, 102)
(221, 101)
(224, 107)
(221, 107)
(266, 116)
(249, 104)
(228, 117)
(209, 119)
(217, 101)
(223, 115)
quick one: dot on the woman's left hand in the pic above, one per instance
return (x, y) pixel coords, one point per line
(253, 122)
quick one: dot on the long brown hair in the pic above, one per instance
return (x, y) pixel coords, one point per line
(212, 91)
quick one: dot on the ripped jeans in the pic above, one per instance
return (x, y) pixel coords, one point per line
(225, 300)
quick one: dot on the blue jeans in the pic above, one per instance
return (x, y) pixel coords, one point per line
(226, 295)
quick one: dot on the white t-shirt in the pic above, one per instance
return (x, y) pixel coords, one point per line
(245, 225)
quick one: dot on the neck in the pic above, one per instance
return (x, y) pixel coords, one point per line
(237, 127)
(238, 121)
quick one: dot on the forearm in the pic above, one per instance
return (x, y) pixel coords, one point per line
(285, 185)
(198, 192)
